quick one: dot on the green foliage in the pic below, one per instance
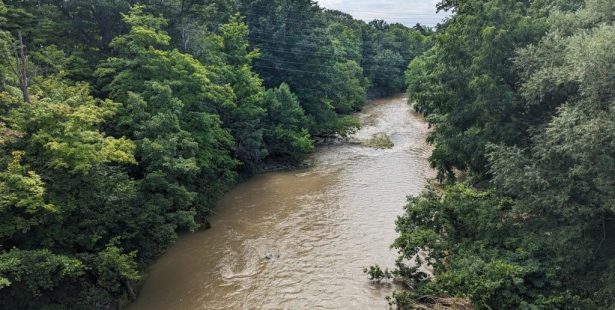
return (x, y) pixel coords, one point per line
(111, 265)
(328, 59)
(377, 274)
(142, 113)
(60, 190)
(285, 124)
(388, 49)
(22, 198)
(537, 235)
(232, 61)
(467, 86)
(62, 121)
(387, 70)
(35, 271)
(482, 248)
(350, 87)
(287, 56)
(168, 109)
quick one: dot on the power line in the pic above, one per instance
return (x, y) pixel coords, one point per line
(408, 16)
(265, 13)
(286, 69)
(363, 59)
(332, 57)
(340, 8)
(299, 21)
(281, 39)
(317, 41)
(275, 62)
(294, 62)
(280, 48)
(279, 33)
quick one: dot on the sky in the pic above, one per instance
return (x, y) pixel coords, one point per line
(407, 12)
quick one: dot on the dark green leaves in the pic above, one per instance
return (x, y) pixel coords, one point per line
(537, 123)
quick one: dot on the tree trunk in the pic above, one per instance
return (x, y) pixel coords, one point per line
(130, 291)
(22, 68)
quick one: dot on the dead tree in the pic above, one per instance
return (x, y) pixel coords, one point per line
(22, 66)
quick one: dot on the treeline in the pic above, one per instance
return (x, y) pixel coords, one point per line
(521, 99)
(122, 122)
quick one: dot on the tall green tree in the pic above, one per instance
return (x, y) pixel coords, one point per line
(168, 106)
(467, 86)
(285, 125)
(228, 55)
(52, 149)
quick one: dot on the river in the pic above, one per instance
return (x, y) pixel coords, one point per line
(300, 239)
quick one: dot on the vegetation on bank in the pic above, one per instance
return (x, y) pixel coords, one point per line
(520, 96)
(121, 123)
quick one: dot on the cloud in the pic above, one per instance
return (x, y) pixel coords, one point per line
(407, 12)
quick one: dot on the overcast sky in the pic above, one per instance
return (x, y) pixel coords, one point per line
(407, 12)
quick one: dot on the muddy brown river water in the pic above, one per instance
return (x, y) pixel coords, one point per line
(300, 239)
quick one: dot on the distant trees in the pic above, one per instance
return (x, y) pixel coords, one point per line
(388, 50)
(312, 51)
(296, 50)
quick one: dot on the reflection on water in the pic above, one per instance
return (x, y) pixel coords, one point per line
(299, 240)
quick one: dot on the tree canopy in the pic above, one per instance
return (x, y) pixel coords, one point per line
(520, 97)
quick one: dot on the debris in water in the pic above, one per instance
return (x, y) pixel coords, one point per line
(379, 141)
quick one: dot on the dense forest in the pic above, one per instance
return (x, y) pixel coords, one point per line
(122, 122)
(520, 96)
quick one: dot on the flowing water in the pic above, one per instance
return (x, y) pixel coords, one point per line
(300, 239)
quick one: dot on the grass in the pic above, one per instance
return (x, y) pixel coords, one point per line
(379, 141)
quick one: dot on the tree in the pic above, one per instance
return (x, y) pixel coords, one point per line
(387, 71)
(168, 109)
(23, 202)
(388, 51)
(292, 38)
(467, 85)
(349, 87)
(57, 148)
(285, 124)
(229, 57)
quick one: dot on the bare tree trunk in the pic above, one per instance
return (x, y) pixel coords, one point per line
(22, 68)
(129, 290)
